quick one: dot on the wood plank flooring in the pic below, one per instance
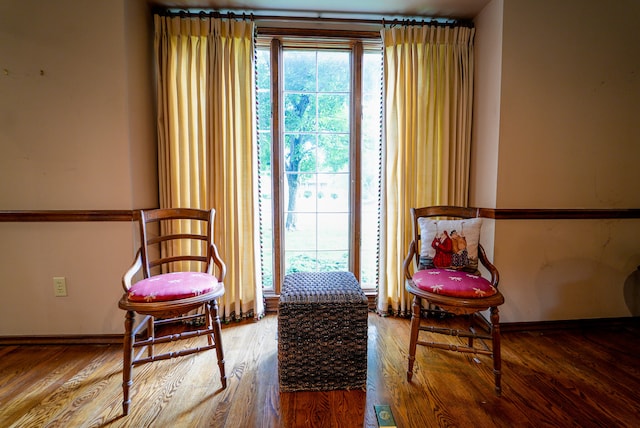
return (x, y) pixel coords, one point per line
(568, 378)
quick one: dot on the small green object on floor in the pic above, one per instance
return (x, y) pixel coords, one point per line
(384, 415)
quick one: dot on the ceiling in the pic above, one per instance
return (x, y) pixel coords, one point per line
(461, 9)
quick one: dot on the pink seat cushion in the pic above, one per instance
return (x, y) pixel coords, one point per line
(173, 286)
(449, 282)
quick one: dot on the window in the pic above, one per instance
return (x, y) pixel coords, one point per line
(319, 149)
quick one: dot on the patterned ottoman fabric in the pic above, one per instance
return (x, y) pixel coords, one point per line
(322, 332)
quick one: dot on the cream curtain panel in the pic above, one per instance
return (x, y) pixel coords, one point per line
(204, 72)
(428, 93)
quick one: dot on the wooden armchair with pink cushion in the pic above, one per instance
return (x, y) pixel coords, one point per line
(442, 268)
(180, 278)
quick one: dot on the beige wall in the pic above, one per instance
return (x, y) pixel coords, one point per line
(486, 112)
(569, 104)
(567, 138)
(77, 136)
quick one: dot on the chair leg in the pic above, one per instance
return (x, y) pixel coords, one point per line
(151, 333)
(497, 357)
(415, 329)
(217, 336)
(208, 319)
(127, 360)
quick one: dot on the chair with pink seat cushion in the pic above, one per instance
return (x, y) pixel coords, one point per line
(179, 279)
(442, 268)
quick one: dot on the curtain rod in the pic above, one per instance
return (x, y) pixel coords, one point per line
(252, 15)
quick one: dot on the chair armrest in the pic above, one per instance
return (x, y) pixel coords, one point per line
(409, 259)
(495, 275)
(214, 257)
(135, 267)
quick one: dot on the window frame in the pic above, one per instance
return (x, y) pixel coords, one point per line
(357, 42)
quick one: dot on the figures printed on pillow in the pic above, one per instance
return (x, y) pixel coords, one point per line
(450, 244)
(444, 248)
(460, 256)
(451, 250)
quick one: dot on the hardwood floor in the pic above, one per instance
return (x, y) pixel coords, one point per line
(569, 378)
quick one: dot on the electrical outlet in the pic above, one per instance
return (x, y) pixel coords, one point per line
(59, 286)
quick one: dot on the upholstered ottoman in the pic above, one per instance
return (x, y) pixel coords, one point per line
(322, 332)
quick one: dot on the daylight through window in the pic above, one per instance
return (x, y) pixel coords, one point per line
(319, 148)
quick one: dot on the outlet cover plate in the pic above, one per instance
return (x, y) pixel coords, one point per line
(59, 286)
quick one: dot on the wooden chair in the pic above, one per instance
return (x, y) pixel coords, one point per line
(451, 283)
(174, 244)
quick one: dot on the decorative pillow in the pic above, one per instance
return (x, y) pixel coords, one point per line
(454, 283)
(172, 286)
(450, 244)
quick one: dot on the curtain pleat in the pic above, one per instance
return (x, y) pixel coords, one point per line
(232, 158)
(428, 94)
(204, 69)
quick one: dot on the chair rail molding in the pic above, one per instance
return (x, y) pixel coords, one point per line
(558, 213)
(19, 216)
